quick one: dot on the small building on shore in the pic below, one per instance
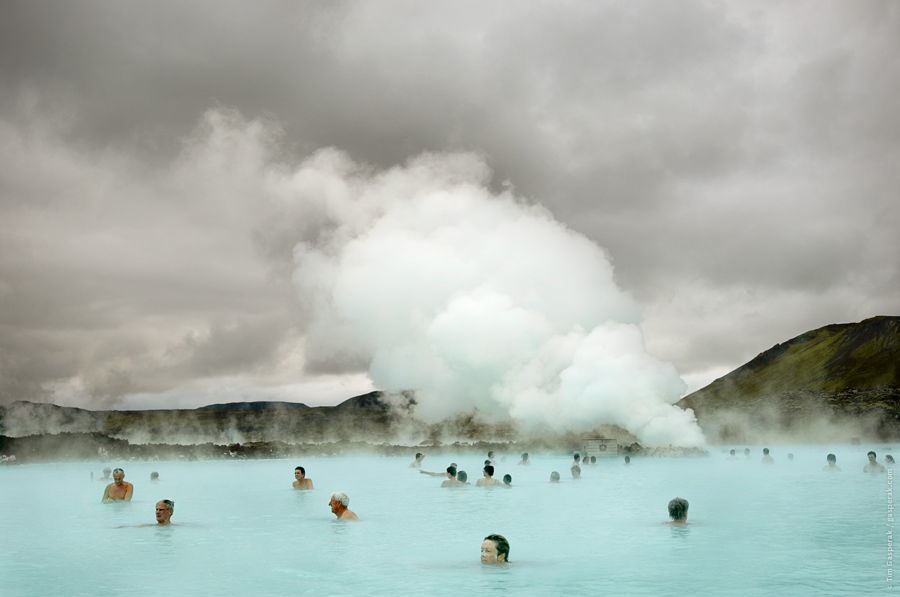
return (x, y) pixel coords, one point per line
(599, 446)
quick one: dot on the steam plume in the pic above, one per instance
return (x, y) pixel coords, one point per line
(477, 300)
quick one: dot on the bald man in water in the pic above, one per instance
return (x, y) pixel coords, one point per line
(119, 490)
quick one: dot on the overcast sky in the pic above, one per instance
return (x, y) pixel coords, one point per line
(739, 164)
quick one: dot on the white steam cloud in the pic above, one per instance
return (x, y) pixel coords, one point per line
(476, 300)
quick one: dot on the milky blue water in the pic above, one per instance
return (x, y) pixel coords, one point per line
(240, 529)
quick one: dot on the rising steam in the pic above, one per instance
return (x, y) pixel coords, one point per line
(477, 300)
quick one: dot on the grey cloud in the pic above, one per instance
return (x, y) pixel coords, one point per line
(725, 146)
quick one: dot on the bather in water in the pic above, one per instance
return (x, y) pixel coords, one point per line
(300, 480)
(554, 477)
(451, 480)
(678, 511)
(339, 503)
(767, 459)
(873, 466)
(119, 490)
(164, 511)
(488, 480)
(495, 550)
(832, 466)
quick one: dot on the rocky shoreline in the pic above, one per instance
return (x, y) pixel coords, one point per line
(91, 446)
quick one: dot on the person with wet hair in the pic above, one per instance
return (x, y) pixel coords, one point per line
(300, 480)
(577, 458)
(678, 511)
(832, 466)
(732, 455)
(164, 511)
(490, 458)
(462, 477)
(339, 503)
(417, 462)
(554, 477)
(873, 466)
(154, 476)
(488, 479)
(495, 550)
(767, 459)
(524, 460)
(576, 471)
(507, 480)
(627, 460)
(451, 480)
(106, 473)
(119, 490)
(889, 460)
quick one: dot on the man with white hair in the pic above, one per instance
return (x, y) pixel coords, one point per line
(339, 502)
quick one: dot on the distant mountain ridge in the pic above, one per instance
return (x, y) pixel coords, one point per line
(373, 416)
(839, 375)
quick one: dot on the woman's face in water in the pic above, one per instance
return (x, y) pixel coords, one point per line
(489, 553)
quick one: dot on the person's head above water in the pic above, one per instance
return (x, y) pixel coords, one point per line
(491, 454)
(577, 457)
(678, 509)
(494, 550)
(889, 459)
(628, 460)
(164, 511)
(451, 471)
(554, 477)
(576, 471)
(462, 476)
(488, 470)
(507, 479)
(872, 456)
(339, 503)
(766, 451)
(524, 456)
(154, 476)
(118, 475)
(106, 472)
(831, 458)
(731, 451)
(593, 460)
(299, 473)
(746, 451)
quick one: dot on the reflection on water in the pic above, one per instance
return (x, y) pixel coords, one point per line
(680, 532)
(240, 528)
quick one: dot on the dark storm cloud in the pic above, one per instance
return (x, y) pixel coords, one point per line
(737, 163)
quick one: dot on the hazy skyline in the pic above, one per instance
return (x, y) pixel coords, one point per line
(164, 169)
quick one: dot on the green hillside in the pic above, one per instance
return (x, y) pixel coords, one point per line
(837, 372)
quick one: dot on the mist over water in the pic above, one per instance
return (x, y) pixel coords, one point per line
(477, 300)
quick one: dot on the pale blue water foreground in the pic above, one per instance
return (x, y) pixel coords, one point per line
(240, 529)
